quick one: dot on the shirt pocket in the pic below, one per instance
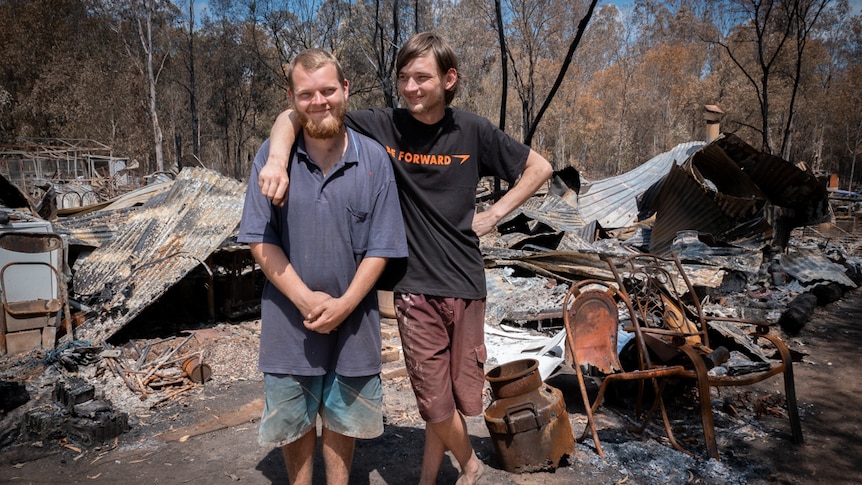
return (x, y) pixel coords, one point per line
(359, 222)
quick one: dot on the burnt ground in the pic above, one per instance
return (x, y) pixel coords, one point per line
(208, 434)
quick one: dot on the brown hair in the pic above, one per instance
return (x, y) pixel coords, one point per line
(311, 60)
(443, 53)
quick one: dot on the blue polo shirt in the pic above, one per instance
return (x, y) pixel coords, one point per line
(326, 227)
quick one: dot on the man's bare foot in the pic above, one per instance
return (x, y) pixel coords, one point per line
(471, 472)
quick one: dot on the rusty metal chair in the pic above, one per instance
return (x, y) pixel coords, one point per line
(671, 322)
(592, 321)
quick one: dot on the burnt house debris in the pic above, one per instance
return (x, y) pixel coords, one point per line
(122, 256)
(58, 173)
(737, 221)
(160, 242)
(77, 414)
(735, 193)
(746, 227)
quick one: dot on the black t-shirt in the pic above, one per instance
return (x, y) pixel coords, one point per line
(437, 168)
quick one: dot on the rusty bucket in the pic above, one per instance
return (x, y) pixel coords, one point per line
(197, 370)
(527, 420)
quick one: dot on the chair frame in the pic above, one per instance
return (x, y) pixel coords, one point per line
(654, 285)
(591, 318)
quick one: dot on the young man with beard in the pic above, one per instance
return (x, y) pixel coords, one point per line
(439, 154)
(322, 251)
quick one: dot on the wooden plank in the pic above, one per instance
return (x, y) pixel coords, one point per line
(245, 414)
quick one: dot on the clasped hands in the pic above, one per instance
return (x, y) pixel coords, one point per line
(323, 313)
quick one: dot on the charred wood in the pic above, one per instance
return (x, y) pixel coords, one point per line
(827, 293)
(798, 313)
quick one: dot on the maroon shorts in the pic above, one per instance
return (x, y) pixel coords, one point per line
(444, 350)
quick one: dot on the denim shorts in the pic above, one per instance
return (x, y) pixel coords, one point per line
(351, 406)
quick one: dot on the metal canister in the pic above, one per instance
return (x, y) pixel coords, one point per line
(197, 370)
(530, 430)
(514, 378)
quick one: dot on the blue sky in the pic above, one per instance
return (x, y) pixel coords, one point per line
(855, 5)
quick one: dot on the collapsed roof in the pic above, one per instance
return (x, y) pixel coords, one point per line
(733, 192)
(154, 248)
(724, 190)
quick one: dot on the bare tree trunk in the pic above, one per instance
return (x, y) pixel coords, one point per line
(818, 148)
(504, 74)
(504, 64)
(582, 26)
(193, 108)
(417, 17)
(385, 50)
(146, 35)
(622, 129)
(765, 146)
(771, 32)
(854, 148)
(804, 25)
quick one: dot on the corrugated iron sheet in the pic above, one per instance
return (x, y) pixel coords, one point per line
(96, 224)
(685, 204)
(613, 201)
(574, 242)
(539, 222)
(682, 204)
(782, 182)
(734, 192)
(160, 243)
(709, 193)
(129, 199)
(800, 199)
(92, 229)
(553, 211)
(809, 267)
(725, 188)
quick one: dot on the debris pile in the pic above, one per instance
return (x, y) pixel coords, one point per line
(158, 370)
(65, 405)
(77, 415)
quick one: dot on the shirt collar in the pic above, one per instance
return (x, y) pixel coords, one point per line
(351, 154)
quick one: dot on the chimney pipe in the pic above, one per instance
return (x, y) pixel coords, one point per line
(712, 116)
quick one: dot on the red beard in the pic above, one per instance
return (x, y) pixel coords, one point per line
(328, 128)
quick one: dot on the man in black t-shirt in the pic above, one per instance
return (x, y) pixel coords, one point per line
(438, 154)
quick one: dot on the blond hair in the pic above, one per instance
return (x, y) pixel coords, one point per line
(312, 60)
